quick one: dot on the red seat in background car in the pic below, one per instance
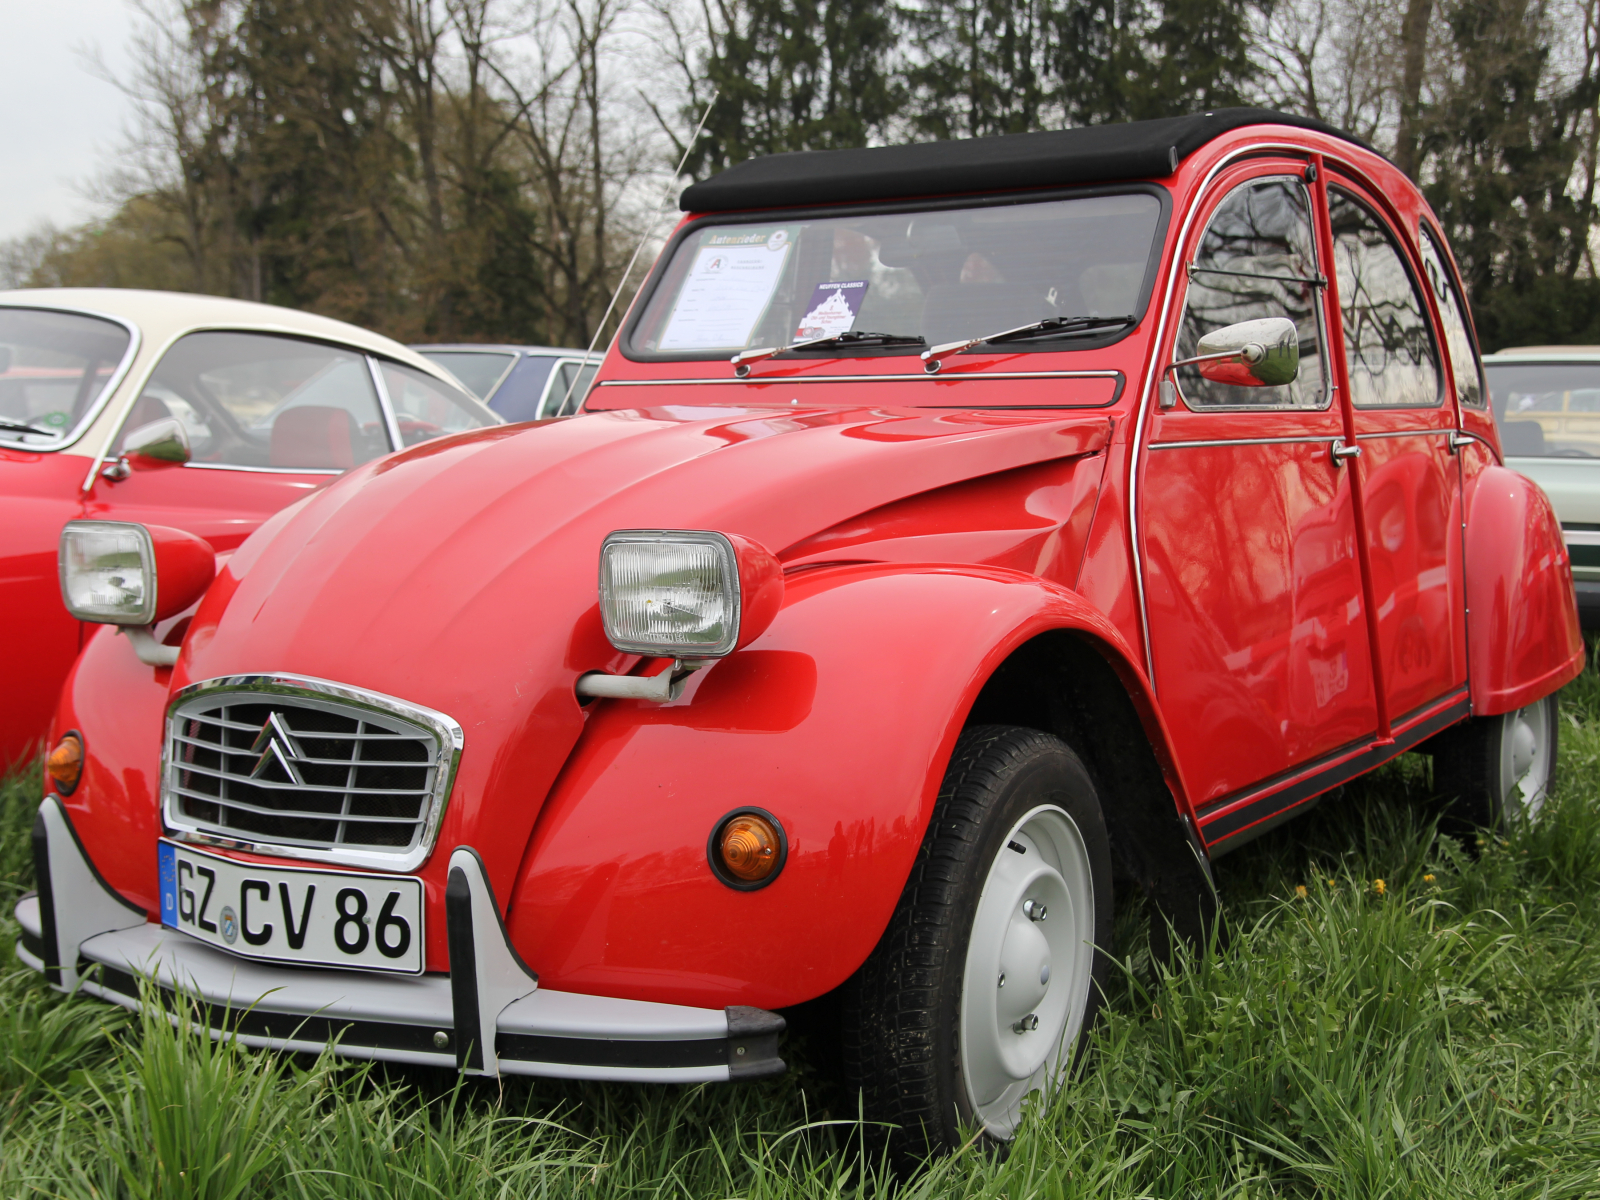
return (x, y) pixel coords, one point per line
(314, 435)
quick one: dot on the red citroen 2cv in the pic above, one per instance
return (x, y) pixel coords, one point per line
(949, 520)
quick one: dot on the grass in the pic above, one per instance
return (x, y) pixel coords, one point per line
(1433, 1034)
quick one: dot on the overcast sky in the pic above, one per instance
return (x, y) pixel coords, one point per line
(57, 120)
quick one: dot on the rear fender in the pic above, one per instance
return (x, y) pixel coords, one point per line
(1522, 620)
(839, 721)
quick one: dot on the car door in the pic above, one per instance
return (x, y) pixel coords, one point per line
(1404, 423)
(269, 419)
(1253, 596)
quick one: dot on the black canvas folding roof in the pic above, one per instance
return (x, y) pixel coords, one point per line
(1091, 154)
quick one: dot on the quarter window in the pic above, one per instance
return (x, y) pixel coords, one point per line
(427, 408)
(1257, 259)
(1387, 342)
(1457, 334)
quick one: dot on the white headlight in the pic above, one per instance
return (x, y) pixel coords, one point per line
(108, 572)
(670, 593)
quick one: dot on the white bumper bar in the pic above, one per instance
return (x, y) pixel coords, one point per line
(105, 945)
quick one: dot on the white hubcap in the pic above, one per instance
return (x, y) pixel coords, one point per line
(1525, 758)
(1029, 966)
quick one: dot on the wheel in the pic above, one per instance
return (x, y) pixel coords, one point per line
(991, 970)
(1498, 770)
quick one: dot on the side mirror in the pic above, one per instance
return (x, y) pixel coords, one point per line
(160, 443)
(1262, 353)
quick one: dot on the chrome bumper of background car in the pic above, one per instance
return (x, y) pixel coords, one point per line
(428, 1019)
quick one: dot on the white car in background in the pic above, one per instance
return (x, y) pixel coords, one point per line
(1547, 404)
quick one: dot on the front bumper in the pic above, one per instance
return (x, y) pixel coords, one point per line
(103, 946)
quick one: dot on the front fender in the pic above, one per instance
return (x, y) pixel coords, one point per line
(839, 721)
(1522, 620)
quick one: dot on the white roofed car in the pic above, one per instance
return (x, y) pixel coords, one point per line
(1546, 402)
(185, 411)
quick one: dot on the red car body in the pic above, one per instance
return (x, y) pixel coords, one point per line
(1247, 620)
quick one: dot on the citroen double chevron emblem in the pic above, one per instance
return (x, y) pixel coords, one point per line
(276, 744)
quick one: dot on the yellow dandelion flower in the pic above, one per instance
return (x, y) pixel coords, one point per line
(1379, 886)
(1300, 890)
(1427, 879)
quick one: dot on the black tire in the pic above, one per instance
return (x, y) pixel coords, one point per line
(1476, 767)
(903, 1010)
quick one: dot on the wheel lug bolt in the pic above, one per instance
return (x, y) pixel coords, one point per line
(1035, 910)
(1027, 1024)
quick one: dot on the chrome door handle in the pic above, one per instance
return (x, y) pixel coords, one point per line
(1459, 439)
(1339, 452)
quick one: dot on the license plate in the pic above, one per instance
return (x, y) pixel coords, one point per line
(292, 915)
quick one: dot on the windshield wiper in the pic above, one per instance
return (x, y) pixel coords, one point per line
(742, 360)
(24, 427)
(1049, 327)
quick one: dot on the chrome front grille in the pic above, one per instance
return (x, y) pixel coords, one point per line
(309, 769)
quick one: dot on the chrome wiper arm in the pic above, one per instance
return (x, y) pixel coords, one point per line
(742, 360)
(1055, 325)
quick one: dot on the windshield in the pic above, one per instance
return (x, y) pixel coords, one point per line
(480, 370)
(938, 276)
(1546, 410)
(54, 369)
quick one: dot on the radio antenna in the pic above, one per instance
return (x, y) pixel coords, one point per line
(649, 232)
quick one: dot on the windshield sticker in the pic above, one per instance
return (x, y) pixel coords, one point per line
(833, 310)
(729, 287)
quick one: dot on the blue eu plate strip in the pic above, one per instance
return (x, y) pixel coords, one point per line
(167, 867)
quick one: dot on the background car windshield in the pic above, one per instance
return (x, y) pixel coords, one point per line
(256, 400)
(1547, 410)
(939, 275)
(54, 367)
(480, 370)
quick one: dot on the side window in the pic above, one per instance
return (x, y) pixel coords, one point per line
(1257, 259)
(1458, 342)
(258, 400)
(426, 407)
(568, 388)
(1393, 363)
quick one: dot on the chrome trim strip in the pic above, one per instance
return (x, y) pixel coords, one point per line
(919, 377)
(113, 382)
(1268, 441)
(448, 735)
(1175, 272)
(1581, 537)
(1394, 433)
(1478, 437)
(265, 470)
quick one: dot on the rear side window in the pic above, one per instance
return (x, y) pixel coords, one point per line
(259, 400)
(54, 370)
(1457, 333)
(568, 388)
(1257, 259)
(480, 370)
(426, 407)
(1387, 342)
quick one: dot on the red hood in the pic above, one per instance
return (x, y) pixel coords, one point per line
(461, 574)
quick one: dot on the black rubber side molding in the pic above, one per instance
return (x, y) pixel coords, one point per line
(463, 971)
(753, 1043)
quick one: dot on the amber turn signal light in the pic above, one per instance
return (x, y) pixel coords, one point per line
(747, 849)
(65, 764)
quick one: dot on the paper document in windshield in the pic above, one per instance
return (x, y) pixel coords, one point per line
(729, 287)
(833, 310)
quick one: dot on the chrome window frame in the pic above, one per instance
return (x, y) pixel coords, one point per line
(92, 413)
(448, 736)
(596, 360)
(1320, 300)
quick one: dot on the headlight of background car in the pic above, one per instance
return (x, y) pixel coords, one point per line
(685, 593)
(108, 572)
